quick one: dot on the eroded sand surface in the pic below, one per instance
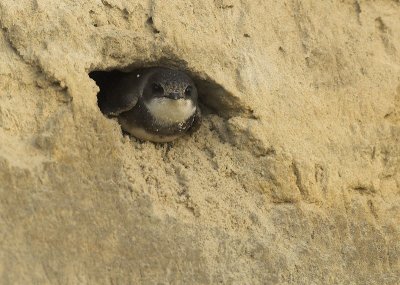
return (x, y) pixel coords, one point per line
(295, 179)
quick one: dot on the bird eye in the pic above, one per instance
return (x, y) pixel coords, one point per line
(157, 88)
(188, 90)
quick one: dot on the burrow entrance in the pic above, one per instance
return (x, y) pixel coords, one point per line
(213, 98)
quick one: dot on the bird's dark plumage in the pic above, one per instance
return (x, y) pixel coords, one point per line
(156, 104)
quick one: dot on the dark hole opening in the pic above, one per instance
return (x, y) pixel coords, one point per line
(105, 80)
(213, 98)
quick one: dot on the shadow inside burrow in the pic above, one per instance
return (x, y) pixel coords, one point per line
(213, 98)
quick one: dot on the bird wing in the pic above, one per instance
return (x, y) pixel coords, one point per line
(119, 91)
(196, 121)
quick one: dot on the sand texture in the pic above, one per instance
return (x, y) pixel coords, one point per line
(293, 177)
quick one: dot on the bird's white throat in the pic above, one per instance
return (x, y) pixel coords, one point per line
(167, 110)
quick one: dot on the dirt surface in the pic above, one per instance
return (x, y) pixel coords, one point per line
(293, 178)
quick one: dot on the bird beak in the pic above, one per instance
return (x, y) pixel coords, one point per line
(175, 96)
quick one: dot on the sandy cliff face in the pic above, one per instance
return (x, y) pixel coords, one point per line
(293, 178)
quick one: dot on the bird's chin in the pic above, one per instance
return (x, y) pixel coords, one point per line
(168, 110)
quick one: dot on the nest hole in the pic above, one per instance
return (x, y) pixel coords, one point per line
(213, 98)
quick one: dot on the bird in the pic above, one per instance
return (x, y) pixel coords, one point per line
(156, 104)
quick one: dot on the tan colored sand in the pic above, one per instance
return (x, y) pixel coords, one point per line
(294, 179)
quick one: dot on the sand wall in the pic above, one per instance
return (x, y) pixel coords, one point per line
(293, 178)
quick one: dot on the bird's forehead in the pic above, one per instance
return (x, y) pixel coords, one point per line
(173, 79)
(175, 85)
